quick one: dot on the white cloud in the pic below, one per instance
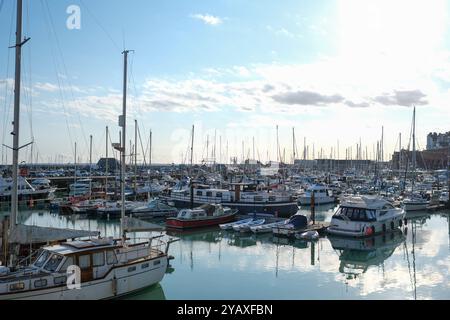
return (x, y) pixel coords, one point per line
(208, 19)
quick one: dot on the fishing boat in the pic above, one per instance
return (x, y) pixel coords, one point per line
(362, 216)
(203, 216)
(295, 223)
(229, 226)
(267, 228)
(154, 208)
(245, 227)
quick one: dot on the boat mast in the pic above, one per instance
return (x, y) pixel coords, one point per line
(192, 146)
(106, 165)
(15, 132)
(293, 145)
(150, 167)
(135, 160)
(90, 167)
(414, 140)
(123, 124)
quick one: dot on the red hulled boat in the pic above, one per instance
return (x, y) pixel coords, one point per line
(205, 216)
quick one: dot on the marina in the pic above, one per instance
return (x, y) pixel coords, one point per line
(410, 265)
(185, 205)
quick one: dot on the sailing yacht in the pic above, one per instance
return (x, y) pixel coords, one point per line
(414, 202)
(92, 268)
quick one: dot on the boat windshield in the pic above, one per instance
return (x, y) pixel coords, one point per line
(42, 258)
(53, 263)
(355, 214)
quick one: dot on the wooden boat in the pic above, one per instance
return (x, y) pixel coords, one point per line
(204, 216)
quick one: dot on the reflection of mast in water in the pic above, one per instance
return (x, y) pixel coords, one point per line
(414, 228)
(313, 252)
(220, 248)
(192, 256)
(293, 256)
(277, 254)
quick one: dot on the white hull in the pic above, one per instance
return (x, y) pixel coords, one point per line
(117, 283)
(305, 200)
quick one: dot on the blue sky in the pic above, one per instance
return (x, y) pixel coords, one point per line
(332, 69)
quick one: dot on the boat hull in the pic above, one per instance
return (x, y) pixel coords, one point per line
(176, 223)
(280, 209)
(119, 282)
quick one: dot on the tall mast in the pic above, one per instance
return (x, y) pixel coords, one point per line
(192, 146)
(90, 166)
(293, 145)
(15, 133)
(135, 159)
(107, 164)
(278, 148)
(399, 151)
(123, 124)
(414, 141)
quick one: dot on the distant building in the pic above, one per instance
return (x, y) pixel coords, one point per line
(113, 164)
(438, 140)
(428, 159)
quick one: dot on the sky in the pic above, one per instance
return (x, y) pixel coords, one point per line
(334, 71)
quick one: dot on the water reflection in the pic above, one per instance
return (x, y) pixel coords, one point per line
(357, 255)
(155, 292)
(215, 264)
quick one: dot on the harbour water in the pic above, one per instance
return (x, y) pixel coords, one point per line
(215, 264)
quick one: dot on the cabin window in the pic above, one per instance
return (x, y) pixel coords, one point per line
(194, 215)
(17, 286)
(69, 262)
(84, 262)
(42, 258)
(40, 283)
(219, 194)
(145, 265)
(60, 280)
(272, 198)
(257, 199)
(199, 193)
(209, 194)
(155, 263)
(98, 259)
(371, 215)
(132, 269)
(53, 262)
(111, 257)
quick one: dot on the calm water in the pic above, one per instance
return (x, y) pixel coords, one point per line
(213, 264)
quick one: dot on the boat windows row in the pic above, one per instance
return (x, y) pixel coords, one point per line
(356, 214)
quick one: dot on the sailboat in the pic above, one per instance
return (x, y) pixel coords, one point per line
(414, 202)
(97, 268)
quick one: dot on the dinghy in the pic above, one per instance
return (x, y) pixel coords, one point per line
(245, 227)
(308, 235)
(267, 228)
(229, 226)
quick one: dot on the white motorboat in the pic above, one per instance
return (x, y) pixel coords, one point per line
(361, 216)
(245, 227)
(267, 228)
(229, 226)
(321, 194)
(153, 209)
(415, 203)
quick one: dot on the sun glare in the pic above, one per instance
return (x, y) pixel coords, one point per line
(391, 27)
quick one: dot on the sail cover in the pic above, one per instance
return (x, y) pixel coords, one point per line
(23, 234)
(136, 225)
